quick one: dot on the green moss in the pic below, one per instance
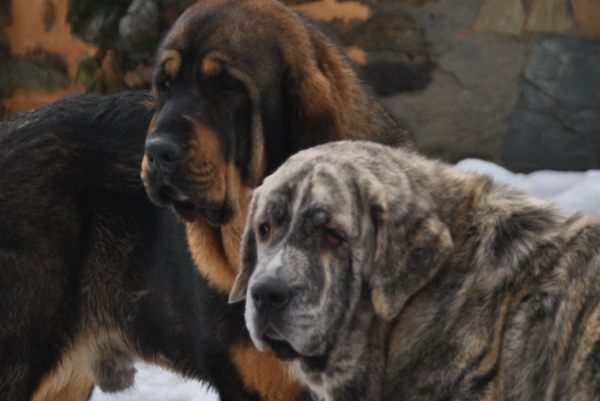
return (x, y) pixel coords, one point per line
(35, 71)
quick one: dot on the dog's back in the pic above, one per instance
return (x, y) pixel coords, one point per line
(92, 274)
(513, 314)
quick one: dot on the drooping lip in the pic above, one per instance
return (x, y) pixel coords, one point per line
(168, 195)
(281, 349)
(284, 351)
(187, 208)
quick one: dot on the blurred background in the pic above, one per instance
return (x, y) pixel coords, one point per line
(515, 82)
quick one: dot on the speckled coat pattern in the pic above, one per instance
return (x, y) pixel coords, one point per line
(409, 280)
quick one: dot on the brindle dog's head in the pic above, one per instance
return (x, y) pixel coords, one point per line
(336, 226)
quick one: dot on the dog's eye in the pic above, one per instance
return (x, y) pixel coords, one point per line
(331, 238)
(230, 84)
(264, 231)
(164, 86)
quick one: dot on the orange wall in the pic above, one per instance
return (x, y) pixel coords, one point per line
(28, 32)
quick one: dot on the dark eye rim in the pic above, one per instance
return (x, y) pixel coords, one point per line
(264, 231)
(229, 83)
(163, 85)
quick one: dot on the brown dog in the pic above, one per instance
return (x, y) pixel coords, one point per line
(93, 275)
(240, 86)
(387, 276)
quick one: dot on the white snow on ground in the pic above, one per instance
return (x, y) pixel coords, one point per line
(156, 384)
(573, 191)
(576, 192)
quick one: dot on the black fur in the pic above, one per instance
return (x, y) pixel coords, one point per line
(82, 249)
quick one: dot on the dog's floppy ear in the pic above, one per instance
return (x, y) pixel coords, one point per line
(411, 245)
(311, 87)
(318, 113)
(248, 255)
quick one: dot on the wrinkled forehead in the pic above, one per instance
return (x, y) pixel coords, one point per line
(220, 25)
(227, 32)
(311, 183)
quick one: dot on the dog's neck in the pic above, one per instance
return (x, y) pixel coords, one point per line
(215, 249)
(357, 355)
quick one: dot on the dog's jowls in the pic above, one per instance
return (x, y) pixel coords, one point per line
(386, 276)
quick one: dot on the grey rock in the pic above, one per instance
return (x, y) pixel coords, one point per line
(542, 143)
(136, 27)
(565, 68)
(557, 123)
(464, 111)
(141, 16)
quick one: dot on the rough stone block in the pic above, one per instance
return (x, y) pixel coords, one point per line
(549, 16)
(464, 111)
(557, 122)
(538, 141)
(568, 69)
(502, 16)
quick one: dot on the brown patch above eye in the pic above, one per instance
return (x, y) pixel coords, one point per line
(211, 67)
(171, 61)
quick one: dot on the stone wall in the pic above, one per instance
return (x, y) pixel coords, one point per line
(516, 82)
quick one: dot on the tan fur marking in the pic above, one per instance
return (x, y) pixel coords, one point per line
(152, 123)
(207, 251)
(240, 196)
(149, 104)
(69, 379)
(73, 376)
(211, 67)
(145, 169)
(206, 162)
(216, 249)
(56, 386)
(171, 61)
(264, 374)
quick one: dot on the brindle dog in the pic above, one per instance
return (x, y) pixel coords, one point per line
(387, 276)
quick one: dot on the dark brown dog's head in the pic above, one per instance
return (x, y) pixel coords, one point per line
(240, 86)
(336, 226)
(235, 81)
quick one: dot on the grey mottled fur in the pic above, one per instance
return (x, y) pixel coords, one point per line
(443, 286)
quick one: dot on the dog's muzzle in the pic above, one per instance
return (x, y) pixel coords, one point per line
(269, 297)
(165, 158)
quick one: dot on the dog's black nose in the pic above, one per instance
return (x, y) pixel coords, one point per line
(162, 154)
(270, 294)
